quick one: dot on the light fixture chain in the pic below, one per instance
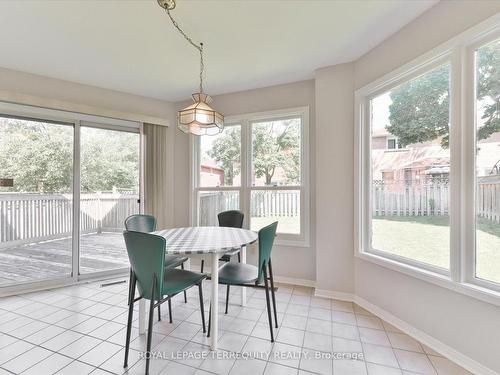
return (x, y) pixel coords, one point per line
(198, 47)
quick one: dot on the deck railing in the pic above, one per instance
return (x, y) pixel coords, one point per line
(26, 218)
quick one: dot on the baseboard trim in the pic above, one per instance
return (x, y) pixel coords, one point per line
(349, 297)
(295, 281)
(447, 351)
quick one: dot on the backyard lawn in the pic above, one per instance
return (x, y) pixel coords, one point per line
(426, 238)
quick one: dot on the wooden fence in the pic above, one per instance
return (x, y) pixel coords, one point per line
(431, 198)
(275, 203)
(488, 197)
(410, 199)
(264, 203)
(213, 202)
(28, 218)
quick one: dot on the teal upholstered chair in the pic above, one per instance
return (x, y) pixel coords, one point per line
(248, 275)
(154, 281)
(147, 224)
(230, 219)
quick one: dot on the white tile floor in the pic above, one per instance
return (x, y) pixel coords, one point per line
(81, 330)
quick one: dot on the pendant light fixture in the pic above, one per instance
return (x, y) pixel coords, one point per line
(199, 118)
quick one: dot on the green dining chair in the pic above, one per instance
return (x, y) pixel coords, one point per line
(154, 281)
(247, 275)
(147, 224)
(230, 219)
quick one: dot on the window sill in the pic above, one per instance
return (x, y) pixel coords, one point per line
(466, 288)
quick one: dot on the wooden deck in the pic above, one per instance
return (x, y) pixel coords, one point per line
(52, 259)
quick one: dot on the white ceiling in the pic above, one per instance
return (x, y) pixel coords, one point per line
(130, 45)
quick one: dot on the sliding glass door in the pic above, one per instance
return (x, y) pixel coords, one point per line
(109, 193)
(67, 183)
(36, 200)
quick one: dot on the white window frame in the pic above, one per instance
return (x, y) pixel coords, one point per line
(246, 121)
(459, 53)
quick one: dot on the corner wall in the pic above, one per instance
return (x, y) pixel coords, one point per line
(334, 182)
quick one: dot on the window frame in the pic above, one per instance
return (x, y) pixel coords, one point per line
(245, 189)
(459, 52)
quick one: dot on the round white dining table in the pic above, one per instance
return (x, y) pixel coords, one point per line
(210, 242)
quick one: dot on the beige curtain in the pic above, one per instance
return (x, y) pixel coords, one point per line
(157, 171)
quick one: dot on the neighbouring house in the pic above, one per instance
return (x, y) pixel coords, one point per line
(211, 174)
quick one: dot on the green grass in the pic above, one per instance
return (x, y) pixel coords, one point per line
(286, 224)
(426, 239)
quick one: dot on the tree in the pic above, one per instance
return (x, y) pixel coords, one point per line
(39, 157)
(420, 108)
(275, 145)
(226, 151)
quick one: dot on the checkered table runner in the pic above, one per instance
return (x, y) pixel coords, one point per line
(205, 240)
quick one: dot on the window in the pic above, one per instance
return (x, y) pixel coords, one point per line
(410, 210)
(487, 227)
(432, 209)
(276, 163)
(391, 144)
(255, 165)
(219, 167)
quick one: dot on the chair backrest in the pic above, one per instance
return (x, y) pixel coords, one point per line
(140, 223)
(232, 219)
(266, 240)
(146, 253)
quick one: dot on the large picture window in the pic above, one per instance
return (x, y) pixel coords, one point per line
(487, 61)
(410, 187)
(428, 166)
(255, 165)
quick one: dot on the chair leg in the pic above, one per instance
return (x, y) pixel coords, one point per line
(202, 265)
(202, 307)
(227, 297)
(266, 283)
(272, 292)
(130, 315)
(150, 325)
(239, 257)
(185, 296)
(209, 319)
(170, 310)
(159, 313)
(129, 286)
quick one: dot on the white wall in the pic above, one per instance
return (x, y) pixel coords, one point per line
(288, 261)
(334, 180)
(464, 323)
(59, 90)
